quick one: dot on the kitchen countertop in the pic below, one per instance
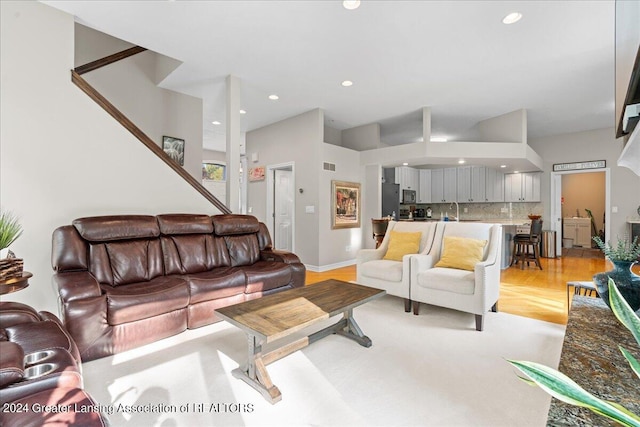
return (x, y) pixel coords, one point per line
(590, 356)
(514, 221)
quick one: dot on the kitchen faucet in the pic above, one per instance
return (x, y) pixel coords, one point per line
(457, 210)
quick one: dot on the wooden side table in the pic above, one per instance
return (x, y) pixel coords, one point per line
(15, 283)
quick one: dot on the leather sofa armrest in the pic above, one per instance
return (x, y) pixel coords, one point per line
(15, 313)
(11, 363)
(76, 285)
(279, 256)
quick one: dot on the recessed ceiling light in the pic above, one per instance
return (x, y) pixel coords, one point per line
(438, 139)
(347, 83)
(512, 18)
(274, 97)
(516, 171)
(461, 162)
(503, 166)
(243, 112)
(351, 4)
(215, 122)
(405, 164)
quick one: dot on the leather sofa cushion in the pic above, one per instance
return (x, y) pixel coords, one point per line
(36, 336)
(243, 249)
(59, 397)
(11, 363)
(218, 283)
(142, 300)
(448, 279)
(383, 269)
(117, 227)
(230, 224)
(185, 224)
(193, 253)
(125, 262)
(264, 275)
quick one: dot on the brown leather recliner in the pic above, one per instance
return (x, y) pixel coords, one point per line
(125, 281)
(40, 371)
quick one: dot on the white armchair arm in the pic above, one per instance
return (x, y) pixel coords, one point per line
(365, 255)
(420, 263)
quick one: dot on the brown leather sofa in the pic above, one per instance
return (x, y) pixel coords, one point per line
(40, 372)
(128, 280)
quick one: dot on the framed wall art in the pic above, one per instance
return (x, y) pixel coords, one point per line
(345, 204)
(212, 171)
(256, 174)
(174, 147)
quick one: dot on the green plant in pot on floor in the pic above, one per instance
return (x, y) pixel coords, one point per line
(565, 389)
(623, 256)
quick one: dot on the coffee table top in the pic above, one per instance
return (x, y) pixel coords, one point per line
(278, 315)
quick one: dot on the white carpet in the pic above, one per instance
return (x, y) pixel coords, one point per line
(427, 370)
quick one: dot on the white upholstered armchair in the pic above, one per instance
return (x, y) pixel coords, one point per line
(472, 288)
(393, 276)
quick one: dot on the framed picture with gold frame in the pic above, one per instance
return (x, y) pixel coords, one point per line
(345, 204)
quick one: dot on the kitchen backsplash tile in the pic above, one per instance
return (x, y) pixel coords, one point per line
(483, 211)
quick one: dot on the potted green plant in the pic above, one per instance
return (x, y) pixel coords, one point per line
(10, 230)
(623, 255)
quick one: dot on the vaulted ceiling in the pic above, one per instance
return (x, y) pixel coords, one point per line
(456, 57)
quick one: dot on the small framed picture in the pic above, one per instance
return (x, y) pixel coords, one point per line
(212, 171)
(345, 203)
(174, 147)
(256, 174)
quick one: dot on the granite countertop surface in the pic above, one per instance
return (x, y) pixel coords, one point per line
(514, 221)
(590, 356)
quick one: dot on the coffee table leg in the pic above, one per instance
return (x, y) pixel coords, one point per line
(353, 331)
(255, 372)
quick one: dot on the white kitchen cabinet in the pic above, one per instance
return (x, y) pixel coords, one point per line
(578, 229)
(494, 185)
(408, 178)
(424, 195)
(522, 187)
(444, 185)
(471, 184)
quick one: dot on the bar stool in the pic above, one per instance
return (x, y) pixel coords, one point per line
(522, 243)
(379, 227)
(581, 288)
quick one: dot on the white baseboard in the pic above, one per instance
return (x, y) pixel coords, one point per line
(323, 268)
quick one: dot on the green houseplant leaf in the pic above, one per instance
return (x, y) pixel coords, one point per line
(565, 389)
(10, 229)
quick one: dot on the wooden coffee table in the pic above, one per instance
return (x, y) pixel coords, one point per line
(276, 316)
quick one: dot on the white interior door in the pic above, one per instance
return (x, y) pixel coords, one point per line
(283, 209)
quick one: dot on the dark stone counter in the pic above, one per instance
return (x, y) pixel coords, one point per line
(590, 356)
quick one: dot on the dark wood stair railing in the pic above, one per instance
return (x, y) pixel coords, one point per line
(94, 65)
(131, 127)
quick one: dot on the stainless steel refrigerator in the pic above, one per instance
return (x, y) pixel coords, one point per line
(390, 199)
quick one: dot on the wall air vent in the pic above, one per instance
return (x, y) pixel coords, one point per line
(329, 166)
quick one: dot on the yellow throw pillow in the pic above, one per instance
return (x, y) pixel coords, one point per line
(401, 243)
(461, 253)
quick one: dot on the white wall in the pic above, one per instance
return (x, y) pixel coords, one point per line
(360, 138)
(61, 156)
(130, 85)
(298, 140)
(334, 243)
(599, 144)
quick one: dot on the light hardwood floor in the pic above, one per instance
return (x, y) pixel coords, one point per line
(535, 293)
